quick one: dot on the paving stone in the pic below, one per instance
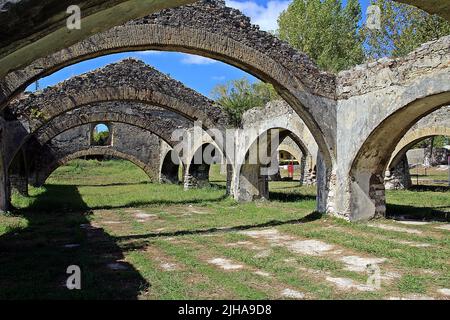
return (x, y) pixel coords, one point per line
(444, 291)
(225, 264)
(262, 273)
(359, 264)
(349, 284)
(394, 228)
(310, 247)
(444, 227)
(293, 294)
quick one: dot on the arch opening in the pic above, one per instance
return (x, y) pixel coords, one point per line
(261, 163)
(367, 173)
(206, 161)
(311, 94)
(101, 134)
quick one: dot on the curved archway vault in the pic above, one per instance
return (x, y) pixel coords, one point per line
(46, 171)
(141, 146)
(128, 80)
(436, 123)
(413, 138)
(214, 31)
(357, 117)
(25, 39)
(150, 118)
(374, 117)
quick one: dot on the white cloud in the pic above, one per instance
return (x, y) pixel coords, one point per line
(150, 53)
(218, 78)
(264, 16)
(199, 60)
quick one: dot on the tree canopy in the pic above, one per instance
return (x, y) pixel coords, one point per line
(333, 36)
(237, 96)
(403, 28)
(325, 30)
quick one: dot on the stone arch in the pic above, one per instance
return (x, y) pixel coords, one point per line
(377, 104)
(250, 183)
(199, 162)
(128, 80)
(218, 32)
(154, 119)
(301, 154)
(45, 172)
(412, 138)
(368, 168)
(26, 39)
(169, 169)
(276, 115)
(18, 174)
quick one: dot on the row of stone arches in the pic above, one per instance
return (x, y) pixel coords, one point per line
(356, 118)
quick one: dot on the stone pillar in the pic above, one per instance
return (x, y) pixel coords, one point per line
(229, 169)
(197, 176)
(276, 161)
(5, 191)
(302, 169)
(398, 177)
(251, 184)
(19, 184)
(323, 180)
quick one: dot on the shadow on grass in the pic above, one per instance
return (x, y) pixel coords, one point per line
(429, 188)
(34, 259)
(405, 212)
(273, 223)
(113, 184)
(60, 197)
(290, 197)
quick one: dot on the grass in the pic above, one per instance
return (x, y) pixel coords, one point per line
(164, 238)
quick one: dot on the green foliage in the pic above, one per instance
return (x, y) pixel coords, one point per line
(324, 30)
(101, 138)
(36, 113)
(437, 141)
(403, 28)
(237, 96)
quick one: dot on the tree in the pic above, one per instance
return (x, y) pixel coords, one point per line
(324, 30)
(101, 138)
(403, 28)
(237, 96)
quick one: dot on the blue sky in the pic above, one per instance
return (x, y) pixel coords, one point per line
(196, 72)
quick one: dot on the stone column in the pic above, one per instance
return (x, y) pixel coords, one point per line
(398, 177)
(19, 184)
(251, 184)
(197, 176)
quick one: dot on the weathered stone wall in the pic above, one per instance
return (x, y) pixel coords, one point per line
(209, 28)
(154, 119)
(213, 15)
(127, 80)
(378, 103)
(436, 123)
(34, 29)
(140, 146)
(399, 176)
(438, 7)
(248, 183)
